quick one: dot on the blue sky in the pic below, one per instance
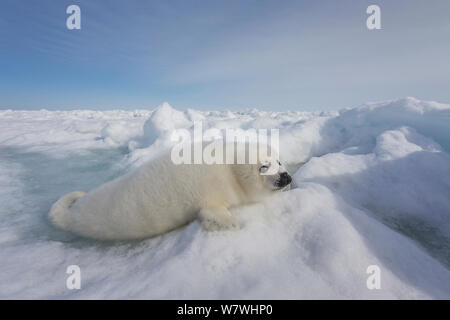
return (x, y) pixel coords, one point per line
(278, 55)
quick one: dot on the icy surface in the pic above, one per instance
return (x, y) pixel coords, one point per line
(372, 187)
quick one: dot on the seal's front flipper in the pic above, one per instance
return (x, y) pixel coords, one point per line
(217, 219)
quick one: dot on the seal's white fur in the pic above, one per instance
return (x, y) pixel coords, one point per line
(161, 196)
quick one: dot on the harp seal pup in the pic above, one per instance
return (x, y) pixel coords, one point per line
(161, 196)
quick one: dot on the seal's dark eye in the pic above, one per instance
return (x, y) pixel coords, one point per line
(279, 163)
(263, 169)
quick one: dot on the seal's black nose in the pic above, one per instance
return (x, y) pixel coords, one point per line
(285, 179)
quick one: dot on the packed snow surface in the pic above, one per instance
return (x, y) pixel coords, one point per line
(372, 187)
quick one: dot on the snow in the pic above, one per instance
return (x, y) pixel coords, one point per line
(372, 187)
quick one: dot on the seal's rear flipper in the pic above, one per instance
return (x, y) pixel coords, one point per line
(61, 208)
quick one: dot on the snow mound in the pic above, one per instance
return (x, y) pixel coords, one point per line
(163, 121)
(360, 126)
(404, 182)
(120, 132)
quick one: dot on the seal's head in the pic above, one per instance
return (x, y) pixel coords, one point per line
(274, 175)
(264, 176)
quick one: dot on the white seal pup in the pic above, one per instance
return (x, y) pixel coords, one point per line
(161, 196)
